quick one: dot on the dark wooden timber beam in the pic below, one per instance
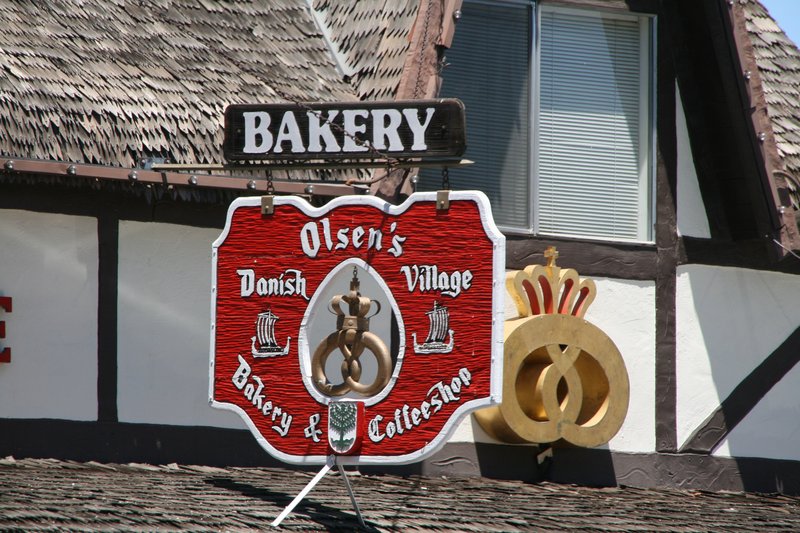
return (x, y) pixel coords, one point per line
(10, 165)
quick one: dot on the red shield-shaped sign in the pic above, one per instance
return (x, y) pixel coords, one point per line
(359, 329)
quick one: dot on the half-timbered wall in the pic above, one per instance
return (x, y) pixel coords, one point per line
(110, 326)
(49, 269)
(691, 217)
(736, 392)
(163, 325)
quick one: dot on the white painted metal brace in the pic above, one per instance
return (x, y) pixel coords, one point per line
(303, 493)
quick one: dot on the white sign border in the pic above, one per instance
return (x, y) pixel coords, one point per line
(498, 319)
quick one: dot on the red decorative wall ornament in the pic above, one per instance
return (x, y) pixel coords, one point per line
(295, 350)
(5, 353)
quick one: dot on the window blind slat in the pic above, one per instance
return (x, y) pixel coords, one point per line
(488, 69)
(589, 180)
(588, 132)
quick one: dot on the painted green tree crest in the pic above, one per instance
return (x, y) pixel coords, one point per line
(342, 421)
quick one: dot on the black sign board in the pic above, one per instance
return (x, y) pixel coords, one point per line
(351, 130)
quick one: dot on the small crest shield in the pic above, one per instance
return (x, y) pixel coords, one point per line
(344, 420)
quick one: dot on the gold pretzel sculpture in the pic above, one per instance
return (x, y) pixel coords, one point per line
(563, 377)
(351, 339)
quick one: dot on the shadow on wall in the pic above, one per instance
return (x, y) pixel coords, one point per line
(738, 349)
(466, 459)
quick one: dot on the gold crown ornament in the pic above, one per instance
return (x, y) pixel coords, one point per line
(548, 289)
(563, 378)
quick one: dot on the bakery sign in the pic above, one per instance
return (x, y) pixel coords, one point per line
(359, 330)
(345, 130)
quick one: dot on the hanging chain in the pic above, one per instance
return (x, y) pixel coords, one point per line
(421, 59)
(337, 127)
(388, 169)
(445, 179)
(270, 185)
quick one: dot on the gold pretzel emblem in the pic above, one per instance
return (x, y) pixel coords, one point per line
(351, 339)
(563, 377)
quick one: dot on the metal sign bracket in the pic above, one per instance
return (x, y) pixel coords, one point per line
(267, 204)
(442, 200)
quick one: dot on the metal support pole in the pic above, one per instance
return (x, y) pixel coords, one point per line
(304, 492)
(351, 494)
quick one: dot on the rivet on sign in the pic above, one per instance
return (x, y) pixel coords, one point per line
(192, 180)
(747, 75)
(133, 175)
(267, 204)
(71, 170)
(251, 184)
(457, 15)
(442, 200)
(762, 136)
(9, 165)
(309, 189)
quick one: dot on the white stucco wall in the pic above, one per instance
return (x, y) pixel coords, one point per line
(728, 321)
(164, 307)
(625, 311)
(772, 428)
(48, 265)
(692, 218)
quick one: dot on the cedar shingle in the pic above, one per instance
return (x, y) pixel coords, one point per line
(109, 82)
(66, 496)
(778, 61)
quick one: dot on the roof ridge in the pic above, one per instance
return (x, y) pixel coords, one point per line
(342, 67)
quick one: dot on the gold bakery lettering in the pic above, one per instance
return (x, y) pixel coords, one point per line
(253, 390)
(289, 283)
(406, 418)
(313, 240)
(261, 138)
(428, 278)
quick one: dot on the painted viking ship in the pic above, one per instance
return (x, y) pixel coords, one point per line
(439, 329)
(265, 335)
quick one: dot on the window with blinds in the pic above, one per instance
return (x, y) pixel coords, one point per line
(488, 68)
(592, 128)
(558, 118)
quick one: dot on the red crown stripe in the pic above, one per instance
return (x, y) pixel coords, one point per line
(540, 289)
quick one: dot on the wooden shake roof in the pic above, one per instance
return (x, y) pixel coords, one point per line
(372, 43)
(777, 84)
(50, 495)
(778, 61)
(110, 82)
